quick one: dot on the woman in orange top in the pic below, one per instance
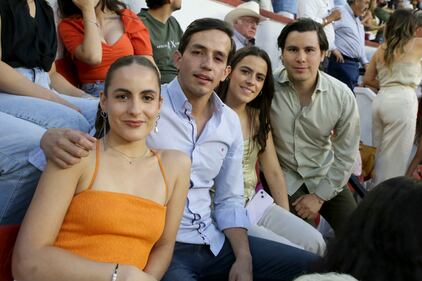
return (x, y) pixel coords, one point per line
(96, 33)
(116, 213)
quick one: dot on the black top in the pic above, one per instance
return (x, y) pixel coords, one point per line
(26, 41)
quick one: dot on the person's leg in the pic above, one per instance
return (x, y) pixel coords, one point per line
(337, 210)
(88, 107)
(398, 113)
(18, 178)
(271, 261)
(187, 262)
(42, 112)
(265, 233)
(293, 228)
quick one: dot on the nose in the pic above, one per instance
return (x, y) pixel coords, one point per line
(206, 62)
(250, 80)
(301, 56)
(135, 107)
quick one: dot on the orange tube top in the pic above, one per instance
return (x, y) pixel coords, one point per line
(112, 227)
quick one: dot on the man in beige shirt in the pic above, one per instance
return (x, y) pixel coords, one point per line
(315, 124)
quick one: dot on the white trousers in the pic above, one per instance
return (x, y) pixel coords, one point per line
(279, 225)
(394, 112)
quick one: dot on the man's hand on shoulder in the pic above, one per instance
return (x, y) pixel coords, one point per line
(308, 206)
(66, 147)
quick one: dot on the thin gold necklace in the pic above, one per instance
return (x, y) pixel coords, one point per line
(130, 159)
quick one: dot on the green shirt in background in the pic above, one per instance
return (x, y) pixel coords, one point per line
(306, 149)
(165, 39)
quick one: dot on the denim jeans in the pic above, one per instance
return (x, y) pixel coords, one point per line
(18, 178)
(23, 121)
(270, 261)
(94, 89)
(46, 113)
(347, 72)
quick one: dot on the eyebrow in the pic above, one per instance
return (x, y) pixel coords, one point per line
(146, 91)
(202, 47)
(250, 69)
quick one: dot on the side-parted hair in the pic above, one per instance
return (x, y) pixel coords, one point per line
(399, 30)
(68, 9)
(382, 238)
(303, 25)
(155, 4)
(205, 24)
(119, 63)
(261, 105)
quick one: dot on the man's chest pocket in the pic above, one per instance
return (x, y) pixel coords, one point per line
(209, 158)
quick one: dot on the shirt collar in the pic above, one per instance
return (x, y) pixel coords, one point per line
(282, 78)
(181, 104)
(241, 38)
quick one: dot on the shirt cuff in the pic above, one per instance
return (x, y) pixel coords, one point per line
(326, 191)
(233, 217)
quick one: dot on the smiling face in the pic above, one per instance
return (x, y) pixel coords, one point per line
(203, 64)
(246, 80)
(302, 56)
(132, 103)
(246, 26)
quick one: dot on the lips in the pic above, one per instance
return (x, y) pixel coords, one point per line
(203, 78)
(300, 69)
(247, 90)
(134, 123)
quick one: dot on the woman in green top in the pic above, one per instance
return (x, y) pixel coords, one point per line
(248, 91)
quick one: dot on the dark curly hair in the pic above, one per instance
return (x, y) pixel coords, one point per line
(383, 238)
(261, 105)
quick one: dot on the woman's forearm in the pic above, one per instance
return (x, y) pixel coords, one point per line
(12, 82)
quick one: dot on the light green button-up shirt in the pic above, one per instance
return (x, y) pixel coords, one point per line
(306, 149)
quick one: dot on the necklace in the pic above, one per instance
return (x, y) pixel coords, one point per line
(130, 159)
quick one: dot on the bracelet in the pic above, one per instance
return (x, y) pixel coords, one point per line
(114, 275)
(324, 21)
(94, 22)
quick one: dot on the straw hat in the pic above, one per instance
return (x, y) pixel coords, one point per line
(249, 9)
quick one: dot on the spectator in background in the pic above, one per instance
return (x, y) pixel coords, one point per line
(286, 8)
(382, 12)
(349, 44)
(382, 239)
(244, 19)
(165, 33)
(323, 12)
(396, 70)
(29, 101)
(96, 33)
(308, 106)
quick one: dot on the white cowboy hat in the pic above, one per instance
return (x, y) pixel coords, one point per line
(249, 9)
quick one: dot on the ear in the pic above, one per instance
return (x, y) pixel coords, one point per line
(103, 101)
(323, 53)
(177, 56)
(226, 73)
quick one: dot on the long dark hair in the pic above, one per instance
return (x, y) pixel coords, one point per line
(260, 105)
(382, 240)
(119, 63)
(68, 9)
